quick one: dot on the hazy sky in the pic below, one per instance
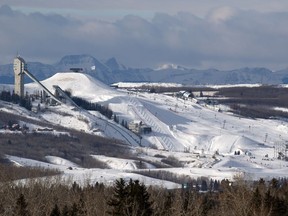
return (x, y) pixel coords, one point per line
(222, 34)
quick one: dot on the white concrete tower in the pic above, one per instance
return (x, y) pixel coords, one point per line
(19, 67)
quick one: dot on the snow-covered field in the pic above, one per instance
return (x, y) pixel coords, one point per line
(203, 140)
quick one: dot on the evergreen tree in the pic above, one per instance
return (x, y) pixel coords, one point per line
(168, 204)
(261, 186)
(268, 201)
(118, 202)
(74, 210)
(274, 183)
(211, 185)
(81, 206)
(141, 198)
(21, 206)
(130, 199)
(204, 186)
(15, 98)
(6, 96)
(116, 119)
(109, 114)
(256, 200)
(216, 185)
(123, 123)
(65, 211)
(279, 207)
(55, 211)
(76, 187)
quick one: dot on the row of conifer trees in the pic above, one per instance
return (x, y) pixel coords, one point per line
(53, 197)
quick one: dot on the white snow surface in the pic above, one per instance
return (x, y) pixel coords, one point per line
(84, 176)
(77, 84)
(141, 84)
(117, 163)
(201, 138)
(60, 161)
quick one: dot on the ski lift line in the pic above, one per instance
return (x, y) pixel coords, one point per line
(31, 76)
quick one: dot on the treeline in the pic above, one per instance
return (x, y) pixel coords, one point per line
(162, 89)
(199, 184)
(265, 91)
(104, 110)
(14, 98)
(10, 173)
(255, 96)
(257, 111)
(76, 147)
(131, 197)
(73, 145)
(255, 102)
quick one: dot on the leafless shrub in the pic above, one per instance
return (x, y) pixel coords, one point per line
(11, 173)
(257, 111)
(159, 156)
(172, 161)
(72, 145)
(91, 162)
(162, 89)
(165, 175)
(256, 102)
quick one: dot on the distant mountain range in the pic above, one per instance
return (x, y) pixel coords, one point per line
(110, 71)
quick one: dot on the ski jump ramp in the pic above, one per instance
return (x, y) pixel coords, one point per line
(31, 76)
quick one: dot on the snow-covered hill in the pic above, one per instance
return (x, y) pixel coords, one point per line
(80, 85)
(203, 140)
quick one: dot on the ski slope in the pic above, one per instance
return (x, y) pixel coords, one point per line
(201, 138)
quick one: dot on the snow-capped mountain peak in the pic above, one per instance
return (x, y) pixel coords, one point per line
(170, 66)
(113, 64)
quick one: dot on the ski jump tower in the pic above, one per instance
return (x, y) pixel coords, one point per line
(19, 68)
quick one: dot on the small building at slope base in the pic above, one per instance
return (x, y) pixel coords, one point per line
(138, 127)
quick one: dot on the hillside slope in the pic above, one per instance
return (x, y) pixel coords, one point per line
(198, 138)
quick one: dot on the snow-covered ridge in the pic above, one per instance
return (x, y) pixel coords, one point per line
(234, 85)
(80, 85)
(141, 84)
